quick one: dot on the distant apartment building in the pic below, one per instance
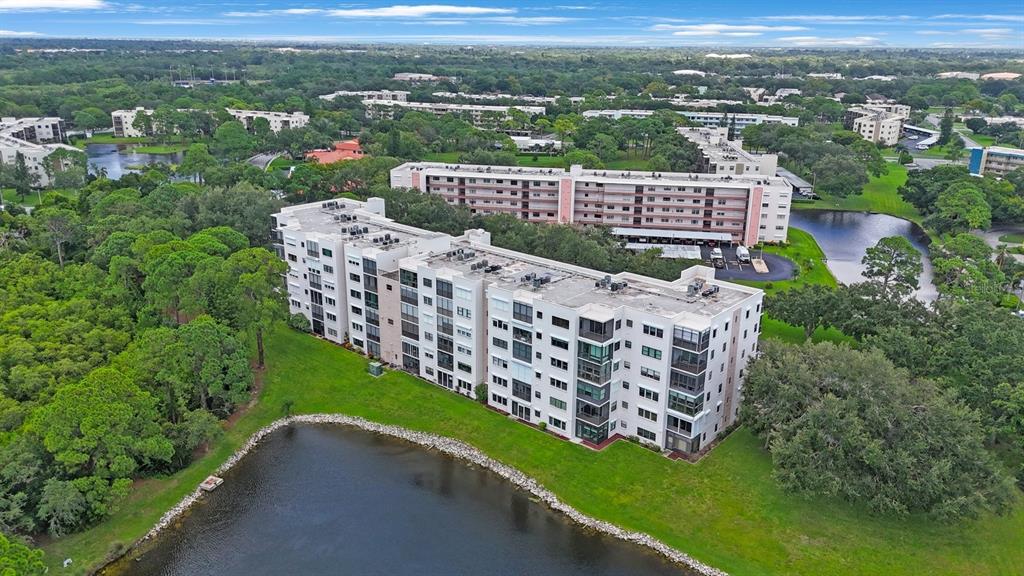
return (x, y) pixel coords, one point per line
(874, 124)
(278, 120)
(995, 160)
(697, 207)
(35, 139)
(592, 357)
(124, 120)
(826, 75)
(684, 100)
(417, 78)
(959, 75)
(719, 155)
(707, 119)
(529, 99)
(390, 95)
(480, 115)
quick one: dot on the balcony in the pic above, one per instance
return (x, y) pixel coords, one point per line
(592, 393)
(526, 318)
(692, 385)
(592, 414)
(690, 368)
(691, 340)
(410, 296)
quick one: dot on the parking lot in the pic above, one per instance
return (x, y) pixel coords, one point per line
(779, 268)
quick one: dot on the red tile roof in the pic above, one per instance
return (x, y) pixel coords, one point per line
(343, 150)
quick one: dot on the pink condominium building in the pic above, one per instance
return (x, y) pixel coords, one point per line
(692, 207)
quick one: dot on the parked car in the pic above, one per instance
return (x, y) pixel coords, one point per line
(921, 146)
(742, 254)
(912, 137)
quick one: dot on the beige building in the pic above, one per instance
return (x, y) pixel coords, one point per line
(875, 125)
(719, 155)
(392, 95)
(35, 139)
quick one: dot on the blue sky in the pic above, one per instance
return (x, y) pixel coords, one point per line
(726, 24)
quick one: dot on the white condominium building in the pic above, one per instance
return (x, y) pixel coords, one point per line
(35, 139)
(494, 97)
(697, 207)
(591, 357)
(278, 120)
(417, 78)
(708, 119)
(395, 95)
(480, 115)
(874, 124)
(124, 120)
(719, 155)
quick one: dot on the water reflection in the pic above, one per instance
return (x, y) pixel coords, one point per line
(118, 159)
(846, 236)
(330, 500)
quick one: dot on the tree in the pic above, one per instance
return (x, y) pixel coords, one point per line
(262, 300)
(894, 264)
(197, 161)
(60, 226)
(839, 176)
(959, 208)
(955, 148)
(143, 123)
(809, 307)
(604, 147)
(976, 124)
(844, 422)
(582, 158)
(231, 140)
(946, 127)
(214, 366)
(17, 559)
(964, 270)
(24, 180)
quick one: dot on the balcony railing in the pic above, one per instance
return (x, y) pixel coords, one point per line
(595, 336)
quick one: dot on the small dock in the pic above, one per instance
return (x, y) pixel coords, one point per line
(211, 483)
(759, 266)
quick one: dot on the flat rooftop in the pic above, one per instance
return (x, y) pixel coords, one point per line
(577, 288)
(630, 176)
(360, 231)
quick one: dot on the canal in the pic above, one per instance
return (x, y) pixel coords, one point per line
(332, 500)
(119, 159)
(846, 236)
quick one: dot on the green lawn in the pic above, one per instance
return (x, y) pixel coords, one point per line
(779, 330)
(1013, 238)
(878, 195)
(159, 148)
(9, 196)
(110, 139)
(282, 163)
(983, 139)
(810, 260)
(725, 510)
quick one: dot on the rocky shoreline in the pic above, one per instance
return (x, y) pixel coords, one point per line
(457, 449)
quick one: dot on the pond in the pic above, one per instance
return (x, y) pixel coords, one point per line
(318, 499)
(846, 236)
(118, 159)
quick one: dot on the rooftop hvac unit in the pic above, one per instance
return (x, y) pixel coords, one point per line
(712, 290)
(336, 218)
(527, 277)
(537, 282)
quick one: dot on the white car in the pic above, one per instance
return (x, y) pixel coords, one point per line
(921, 146)
(912, 137)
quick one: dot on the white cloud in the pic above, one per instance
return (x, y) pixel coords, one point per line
(406, 11)
(989, 31)
(17, 34)
(987, 17)
(723, 29)
(395, 11)
(10, 5)
(834, 19)
(527, 20)
(185, 22)
(851, 41)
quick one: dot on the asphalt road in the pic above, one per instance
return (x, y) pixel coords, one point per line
(779, 268)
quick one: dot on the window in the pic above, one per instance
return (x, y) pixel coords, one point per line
(331, 317)
(464, 312)
(648, 394)
(653, 331)
(559, 384)
(332, 332)
(355, 294)
(353, 277)
(499, 343)
(652, 374)
(327, 252)
(556, 422)
(499, 381)
(465, 368)
(464, 332)
(651, 352)
(522, 312)
(500, 325)
(647, 414)
(428, 282)
(560, 364)
(559, 322)
(428, 301)
(328, 269)
(499, 400)
(560, 404)
(558, 343)
(330, 301)
(357, 311)
(646, 434)
(464, 350)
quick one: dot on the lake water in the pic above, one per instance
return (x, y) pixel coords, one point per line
(332, 500)
(846, 236)
(117, 158)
